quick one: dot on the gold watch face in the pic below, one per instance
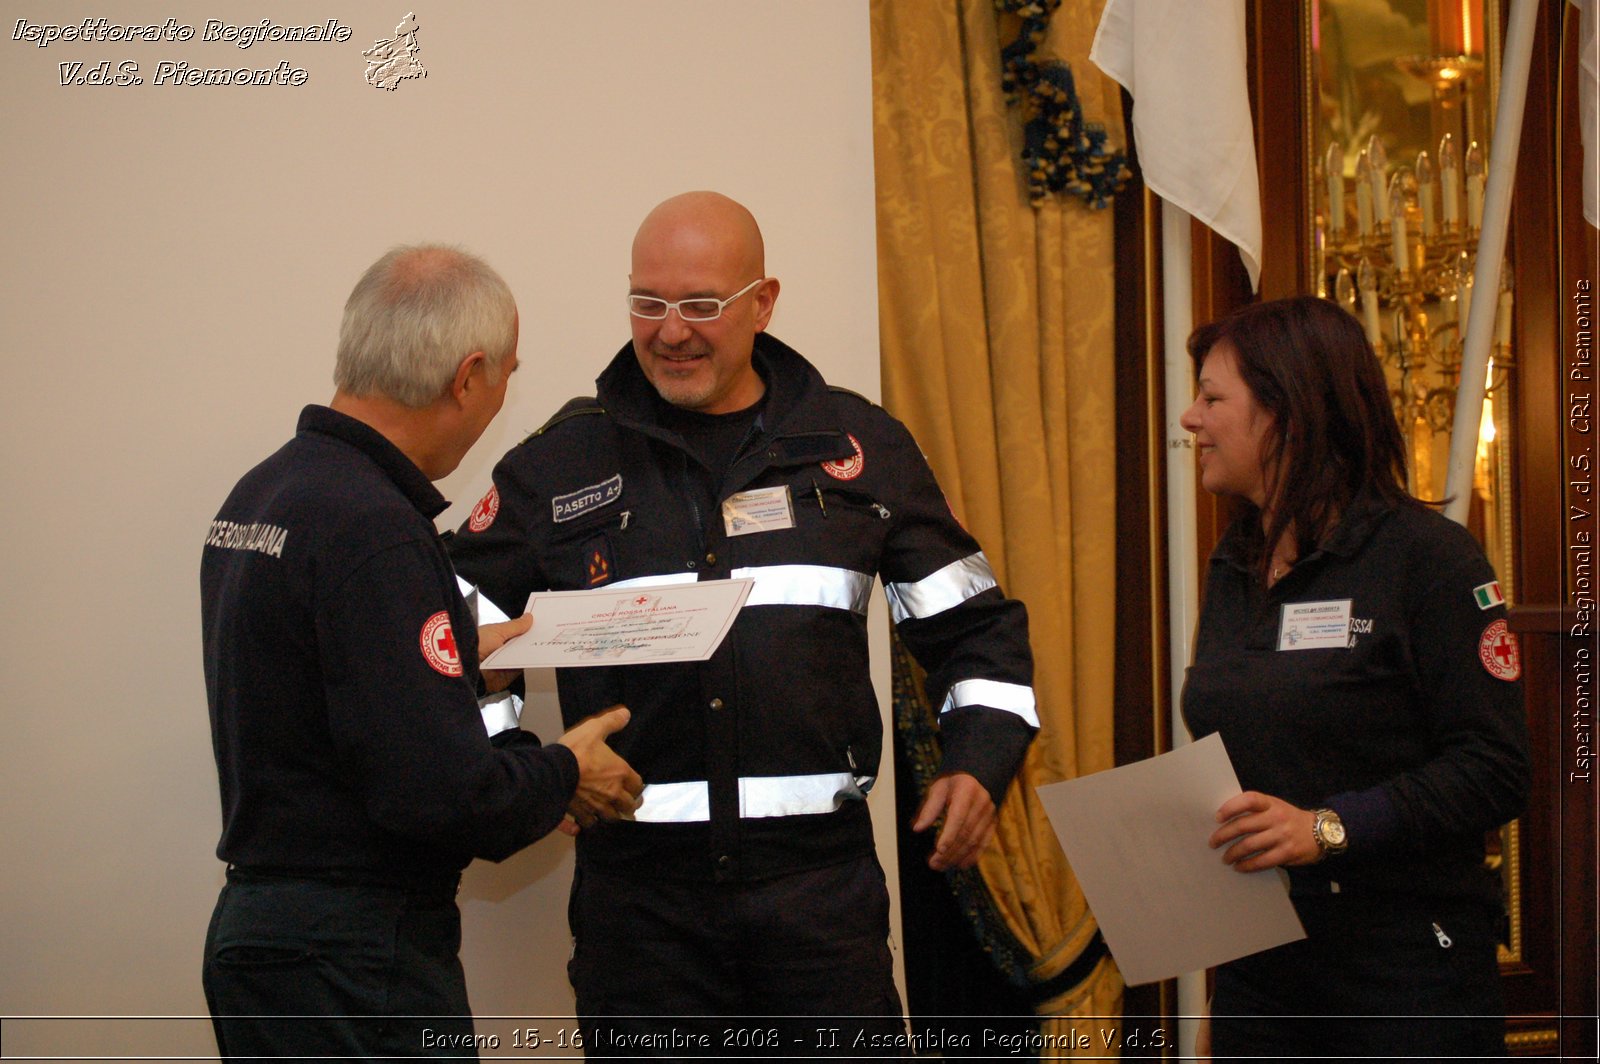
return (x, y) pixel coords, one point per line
(1331, 828)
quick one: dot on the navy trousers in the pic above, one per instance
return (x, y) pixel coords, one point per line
(299, 968)
(796, 965)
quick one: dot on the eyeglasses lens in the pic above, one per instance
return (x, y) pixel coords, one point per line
(699, 309)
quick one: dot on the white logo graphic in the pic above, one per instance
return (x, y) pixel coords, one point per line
(393, 61)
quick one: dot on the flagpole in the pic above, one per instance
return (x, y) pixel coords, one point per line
(1491, 253)
(1183, 544)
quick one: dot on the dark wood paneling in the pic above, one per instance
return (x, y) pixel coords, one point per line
(1536, 328)
(1577, 798)
(1137, 733)
(1139, 700)
(1278, 90)
(1553, 987)
(1531, 986)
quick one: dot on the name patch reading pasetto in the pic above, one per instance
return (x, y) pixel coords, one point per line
(268, 539)
(577, 503)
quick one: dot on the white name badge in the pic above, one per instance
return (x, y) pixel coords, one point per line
(1314, 625)
(762, 510)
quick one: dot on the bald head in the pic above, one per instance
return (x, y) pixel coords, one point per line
(702, 246)
(698, 225)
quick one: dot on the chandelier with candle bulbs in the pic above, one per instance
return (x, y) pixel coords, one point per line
(1396, 246)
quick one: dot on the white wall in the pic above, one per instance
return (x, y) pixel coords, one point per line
(177, 259)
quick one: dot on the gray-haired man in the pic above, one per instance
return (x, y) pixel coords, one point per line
(357, 774)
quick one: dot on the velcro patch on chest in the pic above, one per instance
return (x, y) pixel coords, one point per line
(847, 468)
(586, 500)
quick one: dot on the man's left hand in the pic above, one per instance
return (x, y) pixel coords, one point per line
(969, 818)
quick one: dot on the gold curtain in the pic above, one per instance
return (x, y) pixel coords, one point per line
(997, 334)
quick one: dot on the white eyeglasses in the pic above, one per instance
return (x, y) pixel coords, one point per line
(700, 308)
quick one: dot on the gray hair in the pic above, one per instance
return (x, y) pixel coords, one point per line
(414, 315)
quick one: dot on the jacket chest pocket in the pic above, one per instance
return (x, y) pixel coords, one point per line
(847, 525)
(827, 501)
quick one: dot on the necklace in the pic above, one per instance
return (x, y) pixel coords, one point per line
(1279, 569)
(1284, 555)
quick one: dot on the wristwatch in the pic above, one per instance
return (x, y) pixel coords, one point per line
(1328, 830)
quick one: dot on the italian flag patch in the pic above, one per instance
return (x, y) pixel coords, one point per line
(1488, 595)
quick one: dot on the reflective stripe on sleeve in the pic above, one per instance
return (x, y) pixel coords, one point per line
(941, 590)
(1011, 697)
(500, 712)
(807, 585)
(759, 796)
(483, 611)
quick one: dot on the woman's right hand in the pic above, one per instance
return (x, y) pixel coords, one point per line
(1261, 832)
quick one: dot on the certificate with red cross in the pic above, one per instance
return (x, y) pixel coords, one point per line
(625, 625)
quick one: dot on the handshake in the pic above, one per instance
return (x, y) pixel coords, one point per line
(608, 787)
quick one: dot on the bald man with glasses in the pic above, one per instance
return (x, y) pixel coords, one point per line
(747, 884)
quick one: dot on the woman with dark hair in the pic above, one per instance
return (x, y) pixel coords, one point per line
(1353, 654)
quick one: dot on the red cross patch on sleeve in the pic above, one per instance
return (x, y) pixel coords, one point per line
(483, 513)
(439, 645)
(1497, 649)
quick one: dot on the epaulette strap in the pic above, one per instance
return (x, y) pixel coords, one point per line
(847, 391)
(584, 404)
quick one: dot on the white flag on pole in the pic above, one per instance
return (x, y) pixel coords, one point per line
(1183, 61)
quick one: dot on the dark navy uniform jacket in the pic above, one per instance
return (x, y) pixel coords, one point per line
(1412, 730)
(341, 666)
(755, 761)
